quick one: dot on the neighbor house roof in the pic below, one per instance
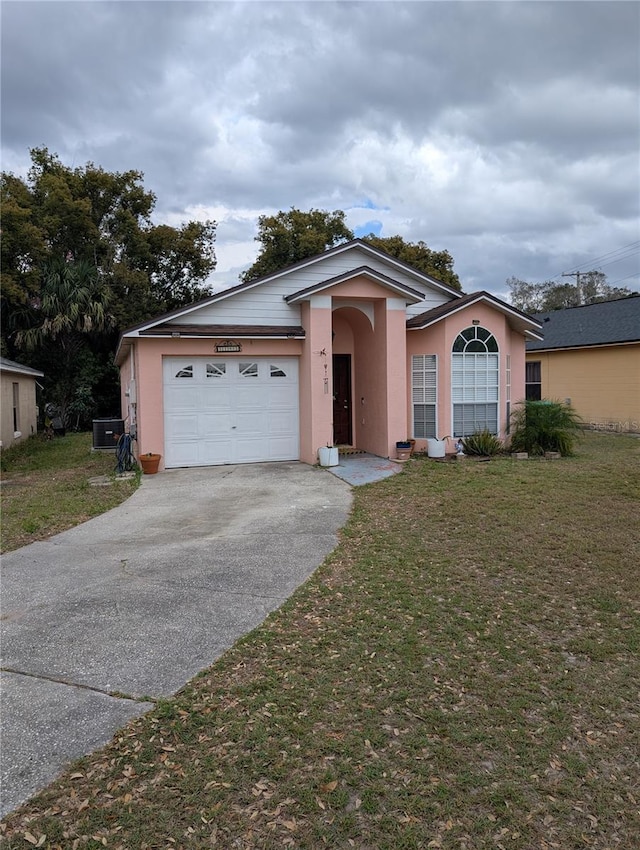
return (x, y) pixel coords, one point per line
(7, 365)
(604, 323)
(520, 321)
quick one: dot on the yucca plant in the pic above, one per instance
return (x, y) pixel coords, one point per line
(545, 426)
(482, 443)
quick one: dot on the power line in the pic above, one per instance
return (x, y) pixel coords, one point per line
(626, 251)
(598, 260)
(620, 279)
(619, 259)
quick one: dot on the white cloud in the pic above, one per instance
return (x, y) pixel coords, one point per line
(507, 133)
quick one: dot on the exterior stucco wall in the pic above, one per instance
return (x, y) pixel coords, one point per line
(603, 383)
(518, 354)
(439, 340)
(27, 409)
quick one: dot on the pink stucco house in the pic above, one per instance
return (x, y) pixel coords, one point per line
(351, 347)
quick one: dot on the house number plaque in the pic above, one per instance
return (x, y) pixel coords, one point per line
(228, 346)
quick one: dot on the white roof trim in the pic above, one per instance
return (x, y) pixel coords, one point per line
(407, 292)
(496, 304)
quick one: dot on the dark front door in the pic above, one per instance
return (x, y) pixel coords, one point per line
(342, 434)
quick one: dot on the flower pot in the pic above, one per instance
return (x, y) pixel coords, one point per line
(403, 454)
(328, 455)
(149, 463)
(436, 448)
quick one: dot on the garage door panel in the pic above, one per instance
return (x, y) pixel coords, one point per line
(282, 396)
(180, 397)
(282, 423)
(182, 453)
(250, 398)
(250, 422)
(181, 426)
(214, 452)
(215, 396)
(250, 450)
(279, 448)
(234, 410)
(216, 423)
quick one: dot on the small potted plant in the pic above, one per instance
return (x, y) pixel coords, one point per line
(403, 449)
(437, 447)
(150, 463)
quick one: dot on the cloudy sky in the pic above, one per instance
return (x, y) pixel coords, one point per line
(506, 132)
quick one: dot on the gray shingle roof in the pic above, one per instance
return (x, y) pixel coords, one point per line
(605, 323)
(7, 365)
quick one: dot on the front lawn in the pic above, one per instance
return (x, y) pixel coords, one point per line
(45, 487)
(462, 672)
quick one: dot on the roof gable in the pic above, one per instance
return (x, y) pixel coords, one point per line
(520, 321)
(604, 323)
(412, 295)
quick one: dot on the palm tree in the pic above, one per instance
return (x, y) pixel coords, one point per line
(73, 303)
(545, 426)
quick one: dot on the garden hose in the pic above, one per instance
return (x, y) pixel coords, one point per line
(126, 462)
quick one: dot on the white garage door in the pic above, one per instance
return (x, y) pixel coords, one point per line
(230, 410)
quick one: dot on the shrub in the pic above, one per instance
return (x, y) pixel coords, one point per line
(482, 443)
(544, 426)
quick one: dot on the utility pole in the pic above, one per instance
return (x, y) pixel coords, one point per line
(577, 277)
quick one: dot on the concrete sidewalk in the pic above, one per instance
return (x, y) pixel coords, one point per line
(103, 619)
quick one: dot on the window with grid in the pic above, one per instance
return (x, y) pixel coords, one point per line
(533, 379)
(475, 381)
(424, 387)
(216, 369)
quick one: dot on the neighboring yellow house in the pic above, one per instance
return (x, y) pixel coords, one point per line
(590, 357)
(19, 412)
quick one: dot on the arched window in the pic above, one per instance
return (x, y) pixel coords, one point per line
(475, 380)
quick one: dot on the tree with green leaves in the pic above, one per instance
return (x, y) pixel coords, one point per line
(437, 264)
(73, 306)
(589, 288)
(60, 222)
(291, 236)
(103, 218)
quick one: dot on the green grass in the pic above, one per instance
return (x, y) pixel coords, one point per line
(462, 672)
(45, 487)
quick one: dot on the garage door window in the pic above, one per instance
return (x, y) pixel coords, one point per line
(248, 370)
(185, 372)
(216, 370)
(277, 372)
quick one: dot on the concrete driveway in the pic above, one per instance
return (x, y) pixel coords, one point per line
(103, 619)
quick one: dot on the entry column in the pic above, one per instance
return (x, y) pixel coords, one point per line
(396, 372)
(316, 380)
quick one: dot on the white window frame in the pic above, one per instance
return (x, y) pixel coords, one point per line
(422, 363)
(460, 356)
